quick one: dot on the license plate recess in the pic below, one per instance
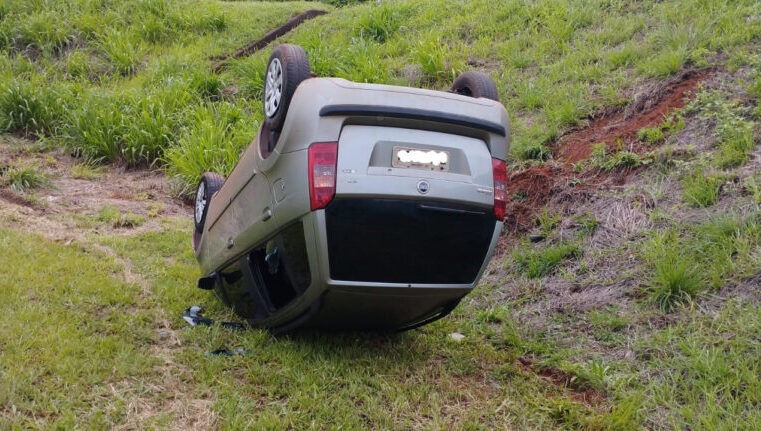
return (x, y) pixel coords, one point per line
(417, 158)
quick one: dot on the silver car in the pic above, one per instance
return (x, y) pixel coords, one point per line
(357, 206)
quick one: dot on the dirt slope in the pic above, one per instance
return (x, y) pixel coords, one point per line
(71, 205)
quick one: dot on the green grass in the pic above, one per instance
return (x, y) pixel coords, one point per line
(70, 337)
(734, 130)
(68, 66)
(698, 258)
(700, 188)
(708, 378)
(541, 262)
(24, 178)
(97, 334)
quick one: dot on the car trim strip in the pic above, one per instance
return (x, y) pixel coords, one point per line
(412, 113)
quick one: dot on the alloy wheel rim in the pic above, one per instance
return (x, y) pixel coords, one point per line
(273, 88)
(200, 201)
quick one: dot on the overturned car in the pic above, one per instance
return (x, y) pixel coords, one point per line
(357, 206)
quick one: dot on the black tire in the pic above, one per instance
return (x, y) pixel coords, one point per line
(210, 183)
(287, 67)
(475, 84)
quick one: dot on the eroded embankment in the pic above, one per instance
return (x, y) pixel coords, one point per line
(532, 188)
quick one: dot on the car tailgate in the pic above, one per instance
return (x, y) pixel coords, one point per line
(389, 162)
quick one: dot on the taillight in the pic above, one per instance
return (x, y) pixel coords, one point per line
(322, 173)
(499, 171)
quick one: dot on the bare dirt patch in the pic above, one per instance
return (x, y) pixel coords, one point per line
(651, 105)
(557, 184)
(137, 191)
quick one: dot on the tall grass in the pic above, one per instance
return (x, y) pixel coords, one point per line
(122, 51)
(34, 106)
(555, 61)
(701, 189)
(212, 141)
(119, 81)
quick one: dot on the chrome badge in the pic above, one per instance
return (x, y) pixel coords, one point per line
(423, 187)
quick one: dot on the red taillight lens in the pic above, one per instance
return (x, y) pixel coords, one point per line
(322, 173)
(499, 171)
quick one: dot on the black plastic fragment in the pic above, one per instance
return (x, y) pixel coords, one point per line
(193, 316)
(226, 352)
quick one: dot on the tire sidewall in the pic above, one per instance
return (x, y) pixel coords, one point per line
(295, 69)
(199, 224)
(476, 84)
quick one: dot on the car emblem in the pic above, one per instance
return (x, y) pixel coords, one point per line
(423, 187)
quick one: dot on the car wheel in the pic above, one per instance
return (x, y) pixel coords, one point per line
(288, 66)
(209, 184)
(475, 84)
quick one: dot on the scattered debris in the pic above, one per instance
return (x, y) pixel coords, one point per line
(536, 237)
(193, 316)
(226, 352)
(457, 336)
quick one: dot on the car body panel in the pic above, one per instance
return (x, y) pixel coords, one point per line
(264, 204)
(365, 166)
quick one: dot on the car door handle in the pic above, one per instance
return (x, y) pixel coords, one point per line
(266, 214)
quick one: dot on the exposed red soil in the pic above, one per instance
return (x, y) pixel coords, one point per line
(529, 190)
(647, 110)
(562, 379)
(532, 188)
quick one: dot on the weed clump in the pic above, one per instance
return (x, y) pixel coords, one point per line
(701, 190)
(23, 178)
(674, 282)
(734, 127)
(85, 171)
(675, 279)
(538, 263)
(606, 160)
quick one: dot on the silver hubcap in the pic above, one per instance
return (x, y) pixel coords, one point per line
(273, 88)
(200, 201)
